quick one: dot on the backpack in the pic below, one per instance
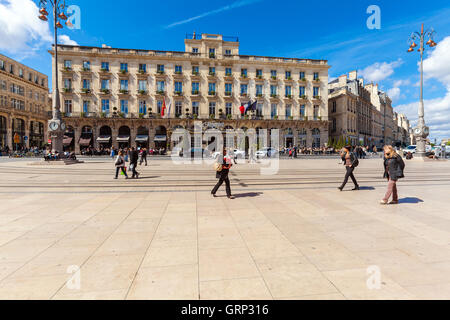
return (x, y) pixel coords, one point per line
(356, 162)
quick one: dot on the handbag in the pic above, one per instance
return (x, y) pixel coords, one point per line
(119, 161)
(217, 166)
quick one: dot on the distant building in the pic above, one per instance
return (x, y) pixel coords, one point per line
(363, 115)
(351, 113)
(24, 105)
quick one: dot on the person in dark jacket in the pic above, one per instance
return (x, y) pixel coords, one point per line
(393, 170)
(134, 156)
(350, 162)
(222, 175)
(144, 156)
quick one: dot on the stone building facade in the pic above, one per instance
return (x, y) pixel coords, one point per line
(24, 105)
(351, 113)
(114, 97)
(363, 114)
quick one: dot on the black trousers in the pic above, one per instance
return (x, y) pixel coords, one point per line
(135, 173)
(349, 174)
(118, 169)
(222, 179)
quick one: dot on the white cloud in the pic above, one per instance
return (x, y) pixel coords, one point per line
(21, 31)
(379, 70)
(394, 93)
(437, 111)
(437, 65)
(234, 5)
(64, 39)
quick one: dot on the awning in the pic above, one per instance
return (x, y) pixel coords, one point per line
(104, 139)
(141, 138)
(123, 139)
(67, 141)
(85, 142)
(160, 138)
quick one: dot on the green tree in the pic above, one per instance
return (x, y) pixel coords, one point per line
(340, 142)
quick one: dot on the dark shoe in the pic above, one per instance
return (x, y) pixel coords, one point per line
(340, 188)
(356, 188)
(115, 177)
(214, 195)
(394, 202)
(231, 197)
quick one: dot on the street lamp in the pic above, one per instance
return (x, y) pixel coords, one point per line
(421, 132)
(56, 126)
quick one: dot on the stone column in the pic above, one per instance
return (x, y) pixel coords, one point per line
(324, 135)
(77, 137)
(133, 132)
(295, 138)
(115, 133)
(169, 140)
(151, 137)
(95, 135)
(309, 138)
(27, 134)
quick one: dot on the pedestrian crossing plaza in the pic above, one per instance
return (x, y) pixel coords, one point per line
(74, 232)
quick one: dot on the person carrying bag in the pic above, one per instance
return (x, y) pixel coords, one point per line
(393, 170)
(222, 168)
(120, 165)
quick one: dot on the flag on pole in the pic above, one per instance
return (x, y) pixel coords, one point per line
(169, 108)
(242, 109)
(163, 109)
(251, 106)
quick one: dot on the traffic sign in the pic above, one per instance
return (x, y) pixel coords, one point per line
(16, 138)
(25, 138)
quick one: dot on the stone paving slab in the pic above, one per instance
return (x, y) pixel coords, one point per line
(291, 235)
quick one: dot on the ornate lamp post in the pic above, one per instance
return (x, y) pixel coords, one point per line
(56, 125)
(421, 132)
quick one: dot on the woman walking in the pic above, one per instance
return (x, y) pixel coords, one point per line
(120, 165)
(223, 168)
(393, 170)
(350, 162)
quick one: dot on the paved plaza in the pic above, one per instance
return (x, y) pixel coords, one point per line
(292, 235)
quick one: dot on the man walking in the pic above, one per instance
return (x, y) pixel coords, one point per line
(144, 156)
(134, 156)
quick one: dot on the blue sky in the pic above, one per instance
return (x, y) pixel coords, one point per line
(332, 30)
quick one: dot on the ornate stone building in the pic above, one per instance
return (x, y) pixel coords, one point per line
(115, 97)
(24, 106)
(363, 114)
(351, 113)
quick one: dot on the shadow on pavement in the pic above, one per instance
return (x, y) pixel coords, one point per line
(153, 177)
(366, 188)
(248, 195)
(410, 200)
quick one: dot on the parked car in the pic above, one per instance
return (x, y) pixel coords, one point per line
(412, 148)
(266, 153)
(240, 154)
(236, 152)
